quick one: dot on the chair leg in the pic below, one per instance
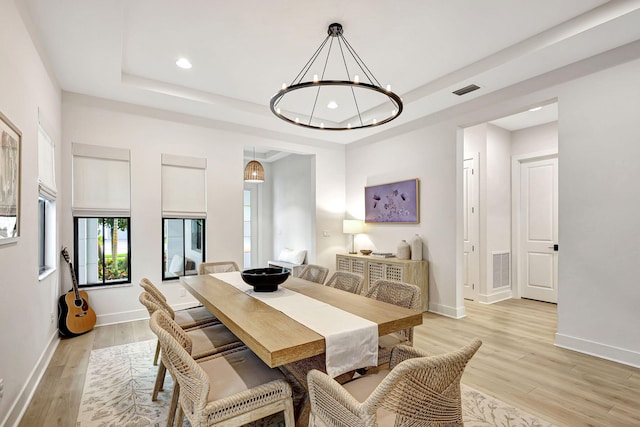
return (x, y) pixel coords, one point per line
(155, 358)
(159, 381)
(174, 404)
(180, 416)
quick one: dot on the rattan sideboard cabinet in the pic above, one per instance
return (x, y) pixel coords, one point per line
(373, 268)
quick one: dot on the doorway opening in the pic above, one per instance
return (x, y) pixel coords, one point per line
(278, 213)
(510, 204)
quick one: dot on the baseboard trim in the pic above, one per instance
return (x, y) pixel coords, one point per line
(494, 298)
(132, 315)
(615, 354)
(444, 310)
(17, 410)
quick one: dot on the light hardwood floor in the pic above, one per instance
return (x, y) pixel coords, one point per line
(517, 363)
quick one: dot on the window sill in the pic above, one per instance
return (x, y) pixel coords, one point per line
(99, 287)
(45, 274)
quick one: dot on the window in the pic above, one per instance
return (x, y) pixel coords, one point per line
(102, 251)
(101, 209)
(47, 252)
(183, 246)
(184, 212)
(42, 262)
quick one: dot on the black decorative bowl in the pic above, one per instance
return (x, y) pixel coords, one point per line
(265, 279)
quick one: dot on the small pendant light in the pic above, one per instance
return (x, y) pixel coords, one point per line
(254, 172)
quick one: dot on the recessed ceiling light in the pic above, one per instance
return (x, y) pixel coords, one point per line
(535, 109)
(183, 63)
(333, 105)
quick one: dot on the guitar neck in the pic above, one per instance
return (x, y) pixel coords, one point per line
(74, 281)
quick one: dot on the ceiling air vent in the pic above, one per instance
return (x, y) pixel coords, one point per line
(466, 89)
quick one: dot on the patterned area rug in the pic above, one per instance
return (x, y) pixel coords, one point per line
(117, 393)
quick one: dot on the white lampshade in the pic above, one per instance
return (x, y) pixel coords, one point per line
(352, 226)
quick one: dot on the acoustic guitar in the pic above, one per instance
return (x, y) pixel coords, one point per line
(75, 317)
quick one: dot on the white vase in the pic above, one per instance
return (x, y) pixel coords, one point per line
(404, 250)
(416, 248)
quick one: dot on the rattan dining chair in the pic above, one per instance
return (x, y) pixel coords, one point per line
(229, 389)
(314, 273)
(187, 318)
(417, 390)
(350, 282)
(217, 267)
(400, 294)
(205, 340)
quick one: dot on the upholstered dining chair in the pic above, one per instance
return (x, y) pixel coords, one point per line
(187, 318)
(217, 267)
(205, 340)
(350, 282)
(400, 294)
(416, 390)
(231, 388)
(314, 273)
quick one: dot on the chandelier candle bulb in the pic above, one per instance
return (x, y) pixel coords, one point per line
(388, 88)
(356, 79)
(315, 78)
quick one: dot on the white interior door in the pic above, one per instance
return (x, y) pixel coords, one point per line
(539, 229)
(470, 228)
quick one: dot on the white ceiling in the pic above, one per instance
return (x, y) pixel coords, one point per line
(533, 117)
(242, 51)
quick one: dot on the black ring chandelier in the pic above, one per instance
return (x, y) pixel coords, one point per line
(310, 119)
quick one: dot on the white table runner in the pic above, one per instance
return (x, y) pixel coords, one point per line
(351, 341)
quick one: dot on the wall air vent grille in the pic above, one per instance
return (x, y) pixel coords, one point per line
(501, 269)
(466, 89)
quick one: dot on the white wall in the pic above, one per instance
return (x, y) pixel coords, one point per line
(429, 154)
(599, 221)
(534, 139)
(293, 205)
(497, 207)
(28, 332)
(493, 146)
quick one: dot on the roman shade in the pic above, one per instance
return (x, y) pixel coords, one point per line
(46, 165)
(184, 192)
(101, 181)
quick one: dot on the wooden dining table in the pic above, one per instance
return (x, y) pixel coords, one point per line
(277, 339)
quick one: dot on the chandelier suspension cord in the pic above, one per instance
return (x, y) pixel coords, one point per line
(368, 73)
(326, 61)
(306, 66)
(309, 63)
(353, 92)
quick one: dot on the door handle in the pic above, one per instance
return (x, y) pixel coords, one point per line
(554, 247)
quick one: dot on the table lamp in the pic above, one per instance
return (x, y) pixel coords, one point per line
(353, 227)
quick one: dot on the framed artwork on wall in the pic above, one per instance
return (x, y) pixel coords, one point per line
(10, 140)
(395, 202)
